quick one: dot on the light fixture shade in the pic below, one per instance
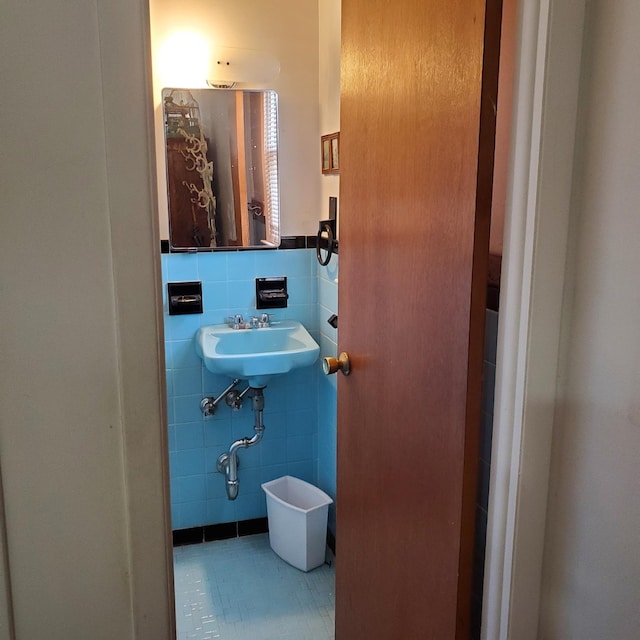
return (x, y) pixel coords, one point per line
(229, 66)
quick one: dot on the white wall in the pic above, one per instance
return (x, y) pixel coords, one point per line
(287, 29)
(80, 404)
(591, 581)
(329, 14)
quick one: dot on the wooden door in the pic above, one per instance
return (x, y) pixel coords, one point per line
(188, 223)
(417, 129)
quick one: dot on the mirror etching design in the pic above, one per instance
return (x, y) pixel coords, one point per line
(222, 168)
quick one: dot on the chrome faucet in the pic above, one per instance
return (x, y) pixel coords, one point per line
(238, 322)
(264, 321)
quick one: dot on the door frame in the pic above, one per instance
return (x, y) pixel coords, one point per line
(546, 88)
(547, 74)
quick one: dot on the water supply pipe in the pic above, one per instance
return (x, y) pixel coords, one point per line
(209, 405)
(228, 461)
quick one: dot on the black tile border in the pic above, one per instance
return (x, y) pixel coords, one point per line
(222, 531)
(252, 527)
(286, 242)
(182, 537)
(228, 530)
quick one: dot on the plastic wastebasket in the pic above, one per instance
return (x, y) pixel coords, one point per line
(297, 513)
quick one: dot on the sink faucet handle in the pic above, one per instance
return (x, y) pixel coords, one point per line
(236, 321)
(265, 320)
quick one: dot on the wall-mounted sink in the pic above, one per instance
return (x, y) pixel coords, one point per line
(256, 354)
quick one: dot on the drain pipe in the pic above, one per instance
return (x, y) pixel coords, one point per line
(228, 461)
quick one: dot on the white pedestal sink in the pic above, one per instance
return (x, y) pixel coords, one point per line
(256, 354)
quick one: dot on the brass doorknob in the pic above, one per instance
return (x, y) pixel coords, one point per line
(341, 363)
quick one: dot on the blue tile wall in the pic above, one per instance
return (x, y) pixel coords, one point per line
(290, 444)
(327, 385)
(300, 408)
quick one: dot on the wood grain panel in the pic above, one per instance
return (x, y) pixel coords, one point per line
(187, 221)
(412, 241)
(239, 175)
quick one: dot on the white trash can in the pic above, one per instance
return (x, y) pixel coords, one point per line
(297, 513)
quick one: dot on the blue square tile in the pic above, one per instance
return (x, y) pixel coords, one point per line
(215, 297)
(171, 413)
(275, 395)
(190, 489)
(275, 424)
(271, 472)
(182, 327)
(327, 396)
(221, 510)
(299, 448)
(169, 381)
(305, 376)
(328, 294)
(329, 272)
(301, 397)
(241, 265)
(182, 354)
(213, 385)
(326, 329)
(328, 349)
(215, 486)
(302, 290)
(187, 409)
(211, 455)
(271, 264)
(212, 266)
(217, 433)
(299, 263)
(182, 267)
(214, 316)
(176, 519)
(186, 463)
(304, 313)
(250, 479)
(303, 469)
(326, 481)
(242, 421)
(193, 514)
(327, 451)
(164, 269)
(273, 451)
(241, 296)
(250, 505)
(302, 422)
(189, 436)
(249, 457)
(187, 381)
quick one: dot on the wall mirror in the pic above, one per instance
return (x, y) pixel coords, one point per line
(221, 150)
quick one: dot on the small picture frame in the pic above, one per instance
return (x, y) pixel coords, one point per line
(330, 148)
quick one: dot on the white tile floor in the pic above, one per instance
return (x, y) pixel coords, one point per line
(239, 589)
